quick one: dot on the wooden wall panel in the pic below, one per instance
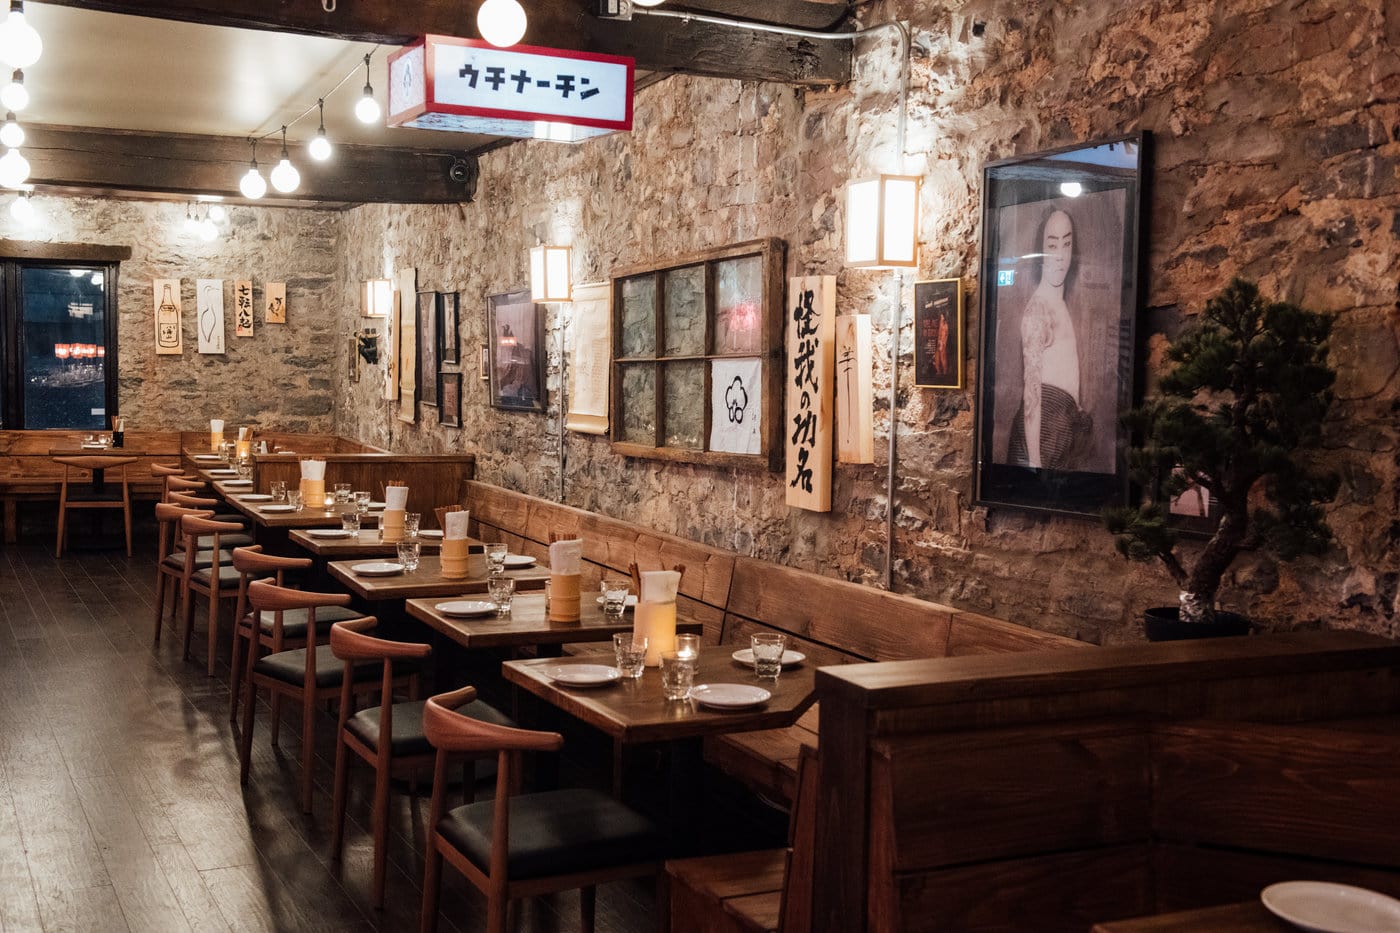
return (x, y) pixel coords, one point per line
(433, 479)
(1188, 877)
(973, 633)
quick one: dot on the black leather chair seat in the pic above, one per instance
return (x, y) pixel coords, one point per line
(557, 833)
(225, 541)
(203, 559)
(408, 725)
(228, 576)
(290, 667)
(109, 493)
(294, 621)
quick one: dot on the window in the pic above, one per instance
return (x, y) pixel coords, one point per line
(58, 356)
(696, 369)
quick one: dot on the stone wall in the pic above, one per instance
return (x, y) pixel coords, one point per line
(279, 378)
(1277, 151)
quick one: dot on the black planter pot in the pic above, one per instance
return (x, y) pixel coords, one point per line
(1164, 624)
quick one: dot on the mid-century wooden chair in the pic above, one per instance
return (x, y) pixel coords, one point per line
(91, 495)
(388, 736)
(521, 846)
(235, 539)
(163, 472)
(170, 560)
(308, 675)
(218, 581)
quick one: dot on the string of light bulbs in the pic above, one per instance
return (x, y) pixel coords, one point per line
(502, 22)
(20, 47)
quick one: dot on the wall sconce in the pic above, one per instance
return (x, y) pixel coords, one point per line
(378, 298)
(549, 274)
(368, 342)
(882, 222)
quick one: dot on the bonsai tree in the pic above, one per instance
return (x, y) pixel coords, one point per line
(1249, 387)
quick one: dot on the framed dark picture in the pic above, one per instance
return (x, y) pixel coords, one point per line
(449, 391)
(427, 347)
(938, 334)
(447, 328)
(1060, 286)
(516, 328)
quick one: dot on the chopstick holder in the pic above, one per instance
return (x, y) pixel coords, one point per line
(216, 434)
(563, 594)
(455, 555)
(313, 483)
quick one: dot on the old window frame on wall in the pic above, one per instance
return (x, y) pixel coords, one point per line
(1093, 185)
(770, 253)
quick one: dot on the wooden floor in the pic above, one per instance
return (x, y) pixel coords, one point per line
(120, 807)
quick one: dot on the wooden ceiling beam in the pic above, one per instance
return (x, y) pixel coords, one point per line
(657, 43)
(125, 160)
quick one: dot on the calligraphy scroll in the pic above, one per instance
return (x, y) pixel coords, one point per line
(811, 354)
(276, 296)
(170, 339)
(209, 314)
(855, 390)
(243, 308)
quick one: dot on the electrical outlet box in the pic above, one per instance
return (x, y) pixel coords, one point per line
(615, 9)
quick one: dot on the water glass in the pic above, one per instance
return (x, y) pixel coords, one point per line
(614, 598)
(688, 646)
(631, 654)
(350, 521)
(226, 450)
(409, 552)
(361, 501)
(294, 499)
(278, 489)
(342, 494)
(244, 467)
(89, 438)
(496, 558)
(677, 675)
(501, 589)
(410, 524)
(768, 650)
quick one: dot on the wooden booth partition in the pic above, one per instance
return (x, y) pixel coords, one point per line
(1077, 787)
(296, 444)
(433, 480)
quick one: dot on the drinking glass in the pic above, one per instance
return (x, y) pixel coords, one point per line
(496, 558)
(226, 450)
(410, 524)
(361, 501)
(244, 467)
(408, 555)
(350, 521)
(294, 499)
(614, 598)
(688, 646)
(501, 589)
(278, 489)
(89, 438)
(768, 650)
(342, 493)
(677, 674)
(631, 654)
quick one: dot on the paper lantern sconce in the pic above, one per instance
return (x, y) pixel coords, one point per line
(882, 223)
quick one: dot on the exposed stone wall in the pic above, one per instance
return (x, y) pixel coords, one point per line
(1277, 157)
(279, 378)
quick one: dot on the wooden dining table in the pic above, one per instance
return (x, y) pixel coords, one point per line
(364, 545)
(285, 521)
(1249, 917)
(426, 581)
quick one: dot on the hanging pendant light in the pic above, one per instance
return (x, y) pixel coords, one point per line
(13, 96)
(648, 2)
(253, 185)
(367, 110)
(22, 210)
(11, 134)
(320, 148)
(284, 174)
(14, 169)
(501, 22)
(20, 45)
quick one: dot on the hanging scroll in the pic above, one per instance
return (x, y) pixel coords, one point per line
(811, 339)
(243, 308)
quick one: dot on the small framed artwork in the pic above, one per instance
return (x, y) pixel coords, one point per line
(938, 334)
(447, 328)
(1059, 292)
(449, 392)
(516, 326)
(428, 346)
(353, 349)
(485, 362)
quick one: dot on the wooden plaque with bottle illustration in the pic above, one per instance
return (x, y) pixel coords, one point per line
(170, 337)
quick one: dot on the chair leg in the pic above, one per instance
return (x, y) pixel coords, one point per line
(308, 750)
(432, 885)
(62, 518)
(276, 718)
(160, 602)
(342, 780)
(213, 629)
(245, 740)
(189, 620)
(235, 672)
(381, 833)
(126, 516)
(587, 902)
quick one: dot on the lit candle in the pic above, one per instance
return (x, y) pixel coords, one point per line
(330, 502)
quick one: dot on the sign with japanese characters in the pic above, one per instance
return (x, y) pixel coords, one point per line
(445, 83)
(811, 353)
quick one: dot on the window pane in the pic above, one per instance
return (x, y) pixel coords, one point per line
(685, 312)
(64, 333)
(739, 305)
(639, 403)
(685, 404)
(639, 316)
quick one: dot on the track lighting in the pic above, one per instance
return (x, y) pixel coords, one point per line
(14, 169)
(11, 134)
(22, 210)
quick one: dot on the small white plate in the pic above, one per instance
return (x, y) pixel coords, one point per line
(376, 505)
(466, 608)
(378, 568)
(1324, 907)
(431, 533)
(94, 447)
(631, 600)
(277, 508)
(223, 472)
(329, 533)
(790, 658)
(517, 561)
(238, 482)
(729, 696)
(208, 457)
(584, 675)
(255, 497)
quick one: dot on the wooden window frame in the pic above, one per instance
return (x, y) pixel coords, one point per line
(772, 253)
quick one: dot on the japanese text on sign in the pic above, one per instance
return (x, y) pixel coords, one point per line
(811, 346)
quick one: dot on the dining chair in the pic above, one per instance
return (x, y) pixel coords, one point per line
(216, 582)
(308, 675)
(389, 737)
(523, 845)
(163, 472)
(95, 494)
(235, 539)
(170, 559)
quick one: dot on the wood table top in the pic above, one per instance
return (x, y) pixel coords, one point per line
(78, 450)
(1249, 917)
(526, 625)
(366, 545)
(306, 518)
(636, 710)
(425, 582)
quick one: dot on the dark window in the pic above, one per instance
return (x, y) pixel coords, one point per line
(60, 339)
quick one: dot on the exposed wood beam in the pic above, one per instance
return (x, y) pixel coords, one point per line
(800, 14)
(657, 44)
(73, 157)
(73, 252)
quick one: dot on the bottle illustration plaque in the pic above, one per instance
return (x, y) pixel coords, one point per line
(169, 336)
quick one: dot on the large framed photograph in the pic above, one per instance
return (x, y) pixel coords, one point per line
(516, 326)
(938, 334)
(449, 386)
(1060, 290)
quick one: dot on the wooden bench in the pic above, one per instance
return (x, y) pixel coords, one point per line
(28, 473)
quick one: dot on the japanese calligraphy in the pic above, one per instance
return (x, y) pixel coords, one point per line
(243, 308)
(810, 392)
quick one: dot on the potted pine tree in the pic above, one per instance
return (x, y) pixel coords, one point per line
(1247, 391)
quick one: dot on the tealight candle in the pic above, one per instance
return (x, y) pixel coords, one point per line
(688, 646)
(330, 502)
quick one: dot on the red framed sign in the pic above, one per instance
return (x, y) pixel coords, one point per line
(467, 85)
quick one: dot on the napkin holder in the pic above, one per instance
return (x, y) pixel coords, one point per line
(565, 601)
(455, 558)
(313, 493)
(391, 525)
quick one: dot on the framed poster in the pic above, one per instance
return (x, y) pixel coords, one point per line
(353, 362)
(938, 334)
(516, 326)
(428, 347)
(588, 363)
(276, 303)
(450, 399)
(170, 337)
(447, 328)
(1060, 274)
(243, 308)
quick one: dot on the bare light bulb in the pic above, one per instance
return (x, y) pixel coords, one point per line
(20, 45)
(13, 96)
(501, 22)
(22, 210)
(207, 231)
(367, 110)
(648, 2)
(253, 185)
(14, 169)
(285, 176)
(11, 134)
(320, 148)
(217, 213)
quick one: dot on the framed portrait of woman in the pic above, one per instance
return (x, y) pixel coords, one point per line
(1060, 289)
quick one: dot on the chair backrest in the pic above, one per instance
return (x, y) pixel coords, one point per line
(193, 502)
(192, 528)
(185, 484)
(795, 913)
(163, 472)
(166, 517)
(351, 644)
(269, 597)
(90, 462)
(251, 562)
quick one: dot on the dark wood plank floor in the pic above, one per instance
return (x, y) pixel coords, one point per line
(120, 806)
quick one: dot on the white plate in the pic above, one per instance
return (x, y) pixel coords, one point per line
(329, 533)
(729, 696)
(94, 447)
(1324, 907)
(255, 497)
(631, 600)
(431, 533)
(238, 482)
(583, 675)
(223, 472)
(466, 608)
(277, 508)
(378, 568)
(376, 505)
(745, 657)
(208, 457)
(519, 560)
